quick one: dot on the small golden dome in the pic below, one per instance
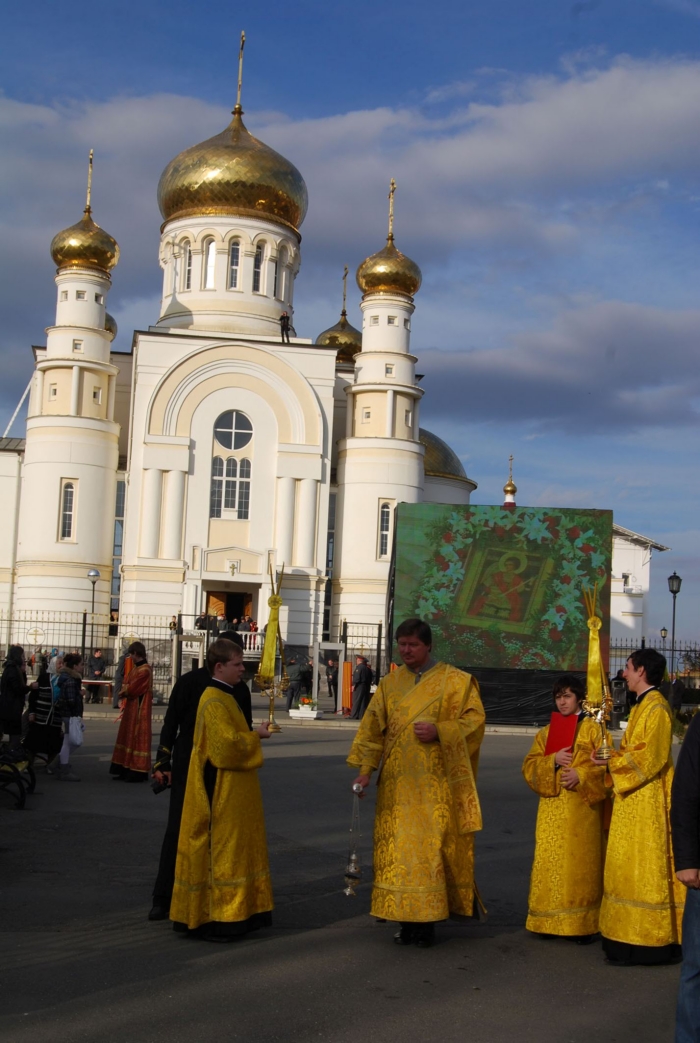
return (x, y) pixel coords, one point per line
(111, 324)
(389, 271)
(233, 173)
(344, 337)
(439, 460)
(510, 488)
(85, 245)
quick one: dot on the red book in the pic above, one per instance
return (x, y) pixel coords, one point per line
(562, 731)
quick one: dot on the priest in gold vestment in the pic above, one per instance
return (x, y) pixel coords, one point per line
(222, 879)
(423, 729)
(566, 885)
(642, 909)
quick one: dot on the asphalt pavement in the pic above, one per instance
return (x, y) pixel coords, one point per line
(80, 961)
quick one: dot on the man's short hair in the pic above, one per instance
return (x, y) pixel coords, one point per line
(572, 682)
(652, 661)
(137, 648)
(231, 635)
(221, 651)
(415, 628)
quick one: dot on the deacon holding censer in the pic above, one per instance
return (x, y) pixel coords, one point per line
(640, 916)
(424, 727)
(566, 885)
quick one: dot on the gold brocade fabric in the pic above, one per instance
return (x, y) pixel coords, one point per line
(642, 900)
(427, 803)
(566, 884)
(222, 871)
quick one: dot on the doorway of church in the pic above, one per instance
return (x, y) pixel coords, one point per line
(232, 604)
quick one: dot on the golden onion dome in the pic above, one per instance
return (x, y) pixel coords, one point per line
(439, 460)
(85, 245)
(111, 324)
(344, 337)
(389, 271)
(233, 173)
(510, 488)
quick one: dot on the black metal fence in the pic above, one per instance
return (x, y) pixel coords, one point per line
(684, 657)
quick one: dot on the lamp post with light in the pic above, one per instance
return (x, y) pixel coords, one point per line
(93, 576)
(664, 635)
(674, 585)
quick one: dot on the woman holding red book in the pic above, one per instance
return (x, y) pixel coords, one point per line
(566, 885)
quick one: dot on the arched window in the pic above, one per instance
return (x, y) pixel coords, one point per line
(281, 277)
(217, 481)
(187, 265)
(209, 264)
(230, 484)
(67, 510)
(234, 260)
(257, 267)
(233, 429)
(275, 279)
(384, 523)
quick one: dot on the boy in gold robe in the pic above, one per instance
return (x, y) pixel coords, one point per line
(222, 879)
(424, 726)
(640, 917)
(566, 884)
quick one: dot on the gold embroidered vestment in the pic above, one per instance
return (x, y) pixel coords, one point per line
(222, 871)
(427, 803)
(642, 900)
(566, 885)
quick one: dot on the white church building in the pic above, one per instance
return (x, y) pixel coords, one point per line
(213, 453)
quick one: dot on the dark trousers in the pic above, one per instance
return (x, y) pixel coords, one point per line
(688, 1009)
(285, 337)
(293, 693)
(163, 888)
(360, 699)
(333, 692)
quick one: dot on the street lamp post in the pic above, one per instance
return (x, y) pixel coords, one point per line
(664, 635)
(674, 585)
(93, 576)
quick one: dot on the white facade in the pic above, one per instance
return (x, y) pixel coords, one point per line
(237, 454)
(631, 569)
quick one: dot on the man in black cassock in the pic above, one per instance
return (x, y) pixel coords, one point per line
(361, 682)
(173, 761)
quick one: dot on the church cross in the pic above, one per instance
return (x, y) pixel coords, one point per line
(89, 184)
(238, 108)
(392, 189)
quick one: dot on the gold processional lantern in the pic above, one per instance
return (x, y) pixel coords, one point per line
(266, 679)
(598, 703)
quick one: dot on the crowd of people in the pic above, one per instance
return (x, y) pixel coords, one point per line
(617, 842)
(219, 624)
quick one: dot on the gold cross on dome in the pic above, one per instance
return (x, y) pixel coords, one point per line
(89, 184)
(345, 286)
(392, 189)
(238, 108)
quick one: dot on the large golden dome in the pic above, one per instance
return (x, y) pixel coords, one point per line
(439, 460)
(344, 337)
(389, 271)
(233, 173)
(85, 245)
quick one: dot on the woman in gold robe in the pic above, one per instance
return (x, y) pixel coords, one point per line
(424, 726)
(131, 760)
(566, 885)
(642, 909)
(222, 879)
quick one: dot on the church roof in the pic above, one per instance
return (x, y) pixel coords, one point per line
(440, 461)
(12, 445)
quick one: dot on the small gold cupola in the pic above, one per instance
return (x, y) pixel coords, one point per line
(343, 336)
(389, 271)
(85, 244)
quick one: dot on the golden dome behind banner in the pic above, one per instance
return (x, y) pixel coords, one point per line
(440, 461)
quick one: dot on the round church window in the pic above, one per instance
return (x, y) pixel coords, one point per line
(233, 429)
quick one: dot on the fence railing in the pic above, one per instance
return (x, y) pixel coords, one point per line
(685, 657)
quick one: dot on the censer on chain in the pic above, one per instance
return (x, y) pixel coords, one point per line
(353, 872)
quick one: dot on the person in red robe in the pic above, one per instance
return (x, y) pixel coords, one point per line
(131, 760)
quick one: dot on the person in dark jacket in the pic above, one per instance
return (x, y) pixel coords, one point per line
(361, 683)
(685, 831)
(294, 673)
(13, 690)
(69, 703)
(95, 672)
(173, 761)
(332, 680)
(285, 325)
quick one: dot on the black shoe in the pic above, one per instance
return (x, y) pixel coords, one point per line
(424, 935)
(585, 939)
(405, 935)
(159, 912)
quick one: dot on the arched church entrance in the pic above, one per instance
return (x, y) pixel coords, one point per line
(230, 603)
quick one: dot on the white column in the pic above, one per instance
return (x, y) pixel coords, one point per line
(173, 512)
(306, 523)
(286, 490)
(39, 393)
(350, 399)
(151, 498)
(75, 391)
(390, 411)
(111, 393)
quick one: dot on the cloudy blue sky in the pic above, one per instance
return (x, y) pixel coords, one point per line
(547, 158)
